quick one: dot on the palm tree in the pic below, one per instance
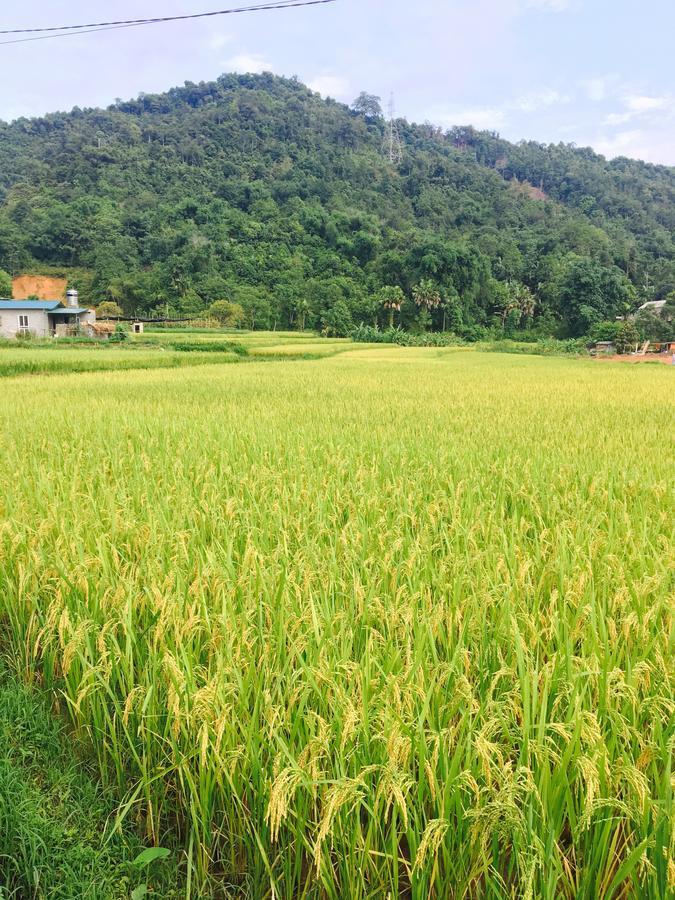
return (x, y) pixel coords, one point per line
(528, 302)
(450, 304)
(391, 299)
(302, 308)
(518, 297)
(426, 296)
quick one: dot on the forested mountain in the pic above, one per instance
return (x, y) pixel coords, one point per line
(253, 189)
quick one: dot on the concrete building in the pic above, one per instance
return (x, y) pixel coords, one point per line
(653, 306)
(43, 318)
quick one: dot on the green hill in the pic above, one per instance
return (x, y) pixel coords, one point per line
(254, 189)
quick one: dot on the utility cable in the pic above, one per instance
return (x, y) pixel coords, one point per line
(71, 30)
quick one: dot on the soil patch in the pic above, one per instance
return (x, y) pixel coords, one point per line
(44, 287)
(664, 358)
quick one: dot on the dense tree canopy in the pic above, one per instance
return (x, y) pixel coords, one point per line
(5, 284)
(255, 191)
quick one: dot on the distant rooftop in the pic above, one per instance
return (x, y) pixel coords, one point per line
(653, 304)
(47, 305)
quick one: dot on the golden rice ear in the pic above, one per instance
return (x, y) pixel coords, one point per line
(432, 839)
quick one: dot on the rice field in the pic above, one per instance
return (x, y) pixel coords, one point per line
(262, 343)
(49, 360)
(394, 623)
(162, 351)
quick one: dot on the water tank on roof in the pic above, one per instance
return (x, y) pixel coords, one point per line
(72, 298)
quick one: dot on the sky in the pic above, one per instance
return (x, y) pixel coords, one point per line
(595, 73)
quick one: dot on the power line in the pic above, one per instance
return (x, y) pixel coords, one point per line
(280, 4)
(70, 30)
(46, 37)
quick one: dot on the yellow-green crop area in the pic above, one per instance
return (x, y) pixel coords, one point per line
(393, 623)
(65, 360)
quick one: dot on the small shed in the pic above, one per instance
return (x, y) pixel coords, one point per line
(662, 347)
(604, 347)
(99, 329)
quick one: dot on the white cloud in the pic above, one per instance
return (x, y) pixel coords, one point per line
(596, 88)
(642, 107)
(482, 118)
(550, 5)
(634, 143)
(643, 127)
(535, 100)
(249, 63)
(640, 104)
(495, 117)
(330, 86)
(617, 118)
(219, 40)
(651, 144)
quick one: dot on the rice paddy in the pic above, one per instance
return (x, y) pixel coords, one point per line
(389, 623)
(63, 361)
(168, 350)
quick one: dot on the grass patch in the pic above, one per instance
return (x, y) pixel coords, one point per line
(543, 347)
(56, 840)
(213, 347)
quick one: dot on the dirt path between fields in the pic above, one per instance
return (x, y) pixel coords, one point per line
(664, 358)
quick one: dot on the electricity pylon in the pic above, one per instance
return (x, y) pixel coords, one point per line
(392, 146)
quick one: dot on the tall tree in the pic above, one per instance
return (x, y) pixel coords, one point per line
(5, 285)
(391, 298)
(368, 105)
(590, 292)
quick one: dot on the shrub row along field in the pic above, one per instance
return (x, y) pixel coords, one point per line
(394, 623)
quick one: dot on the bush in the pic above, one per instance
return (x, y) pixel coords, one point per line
(474, 333)
(627, 338)
(337, 321)
(546, 347)
(471, 334)
(604, 331)
(367, 334)
(120, 334)
(211, 347)
(109, 310)
(230, 315)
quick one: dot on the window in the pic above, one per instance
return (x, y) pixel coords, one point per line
(23, 323)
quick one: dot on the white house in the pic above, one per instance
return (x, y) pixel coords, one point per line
(43, 318)
(654, 306)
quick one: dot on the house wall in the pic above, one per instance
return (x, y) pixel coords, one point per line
(38, 322)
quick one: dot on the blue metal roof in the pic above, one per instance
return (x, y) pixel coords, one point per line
(68, 311)
(47, 305)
